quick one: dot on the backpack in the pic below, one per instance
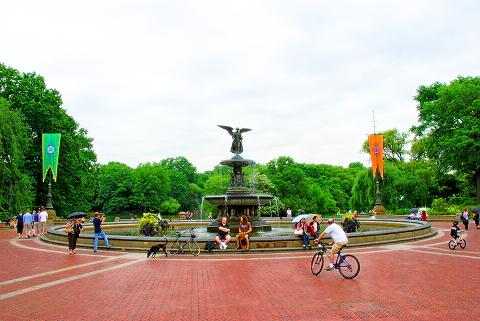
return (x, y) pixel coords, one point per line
(209, 246)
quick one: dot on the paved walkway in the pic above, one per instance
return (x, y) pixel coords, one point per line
(423, 280)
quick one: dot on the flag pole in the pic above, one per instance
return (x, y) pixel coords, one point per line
(49, 192)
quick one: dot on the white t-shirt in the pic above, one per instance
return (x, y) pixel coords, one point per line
(337, 233)
(42, 217)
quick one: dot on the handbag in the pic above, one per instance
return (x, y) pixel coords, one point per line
(68, 230)
(298, 232)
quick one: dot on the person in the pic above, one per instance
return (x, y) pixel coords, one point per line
(19, 224)
(42, 221)
(97, 223)
(245, 227)
(315, 227)
(476, 219)
(210, 215)
(464, 217)
(223, 238)
(289, 212)
(159, 216)
(339, 240)
(355, 214)
(27, 223)
(303, 225)
(454, 230)
(35, 222)
(76, 226)
(424, 216)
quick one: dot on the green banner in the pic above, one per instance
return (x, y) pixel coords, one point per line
(50, 150)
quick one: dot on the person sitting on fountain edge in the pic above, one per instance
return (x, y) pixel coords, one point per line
(222, 237)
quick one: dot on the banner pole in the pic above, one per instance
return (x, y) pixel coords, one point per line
(49, 192)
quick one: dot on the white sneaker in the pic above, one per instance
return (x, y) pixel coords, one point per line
(223, 246)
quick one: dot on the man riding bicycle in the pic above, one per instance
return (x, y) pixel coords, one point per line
(339, 240)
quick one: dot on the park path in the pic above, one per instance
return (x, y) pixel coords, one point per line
(422, 280)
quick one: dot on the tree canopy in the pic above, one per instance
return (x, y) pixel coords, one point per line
(449, 117)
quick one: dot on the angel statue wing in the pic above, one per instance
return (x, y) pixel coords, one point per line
(227, 128)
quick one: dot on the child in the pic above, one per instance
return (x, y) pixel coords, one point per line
(454, 230)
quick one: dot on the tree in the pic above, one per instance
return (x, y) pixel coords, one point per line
(42, 111)
(449, 117)
(151, 185)
(114, 187)
(16, 193)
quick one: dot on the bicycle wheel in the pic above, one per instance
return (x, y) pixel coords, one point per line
(194, 247)
(462, 243)
(317, 263)
(452, 245)
(174, 248)
(349, 266)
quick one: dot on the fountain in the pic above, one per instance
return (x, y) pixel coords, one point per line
(238, 200)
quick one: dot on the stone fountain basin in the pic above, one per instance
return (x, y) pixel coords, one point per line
(242, 200)
(400, 231)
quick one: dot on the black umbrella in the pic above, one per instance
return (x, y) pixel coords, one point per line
(413, 210)
(76, 214)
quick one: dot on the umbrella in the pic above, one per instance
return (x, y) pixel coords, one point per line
(298, 218)
(423, 209)
(413, 210)
(476, 209)
(76, 214)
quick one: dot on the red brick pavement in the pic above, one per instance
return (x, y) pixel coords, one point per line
(423, 280)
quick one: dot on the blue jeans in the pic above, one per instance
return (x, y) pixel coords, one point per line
(305, 240)
(95, 242)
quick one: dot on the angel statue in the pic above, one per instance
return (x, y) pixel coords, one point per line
(237, 146)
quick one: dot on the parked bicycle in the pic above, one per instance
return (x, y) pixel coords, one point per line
(348, 265)
(177, 245)
(460, 241)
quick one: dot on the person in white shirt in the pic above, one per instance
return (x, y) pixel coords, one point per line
(339, 240)
(42, 219)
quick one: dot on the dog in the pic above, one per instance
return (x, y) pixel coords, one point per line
(154, 249)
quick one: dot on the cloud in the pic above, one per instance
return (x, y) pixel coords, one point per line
(152, 79)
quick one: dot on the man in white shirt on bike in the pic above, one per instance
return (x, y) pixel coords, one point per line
(339, 240)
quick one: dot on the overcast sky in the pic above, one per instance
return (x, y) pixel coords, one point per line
(151, 80)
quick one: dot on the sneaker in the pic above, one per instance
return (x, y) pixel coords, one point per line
(329, 268)
(222, 246)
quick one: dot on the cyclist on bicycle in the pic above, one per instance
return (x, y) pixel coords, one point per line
(454, 230)
(339, 240)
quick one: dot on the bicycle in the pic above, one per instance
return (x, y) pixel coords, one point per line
(458, 241)
(193, 246)
(348, 265)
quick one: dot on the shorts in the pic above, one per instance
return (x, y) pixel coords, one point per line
(41, 225)
(19, 229)
(222, 237)
(27, 227)
(337, 246)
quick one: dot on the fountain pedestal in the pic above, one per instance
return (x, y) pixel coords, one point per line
(239, 200)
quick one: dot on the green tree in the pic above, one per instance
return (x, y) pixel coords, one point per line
(151, 186)
(41, 108)
(114, 188)
(16, 191)
(449, 117)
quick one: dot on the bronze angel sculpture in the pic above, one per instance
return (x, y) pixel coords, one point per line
(237, 146)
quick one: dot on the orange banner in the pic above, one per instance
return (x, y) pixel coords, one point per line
(376, 153)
